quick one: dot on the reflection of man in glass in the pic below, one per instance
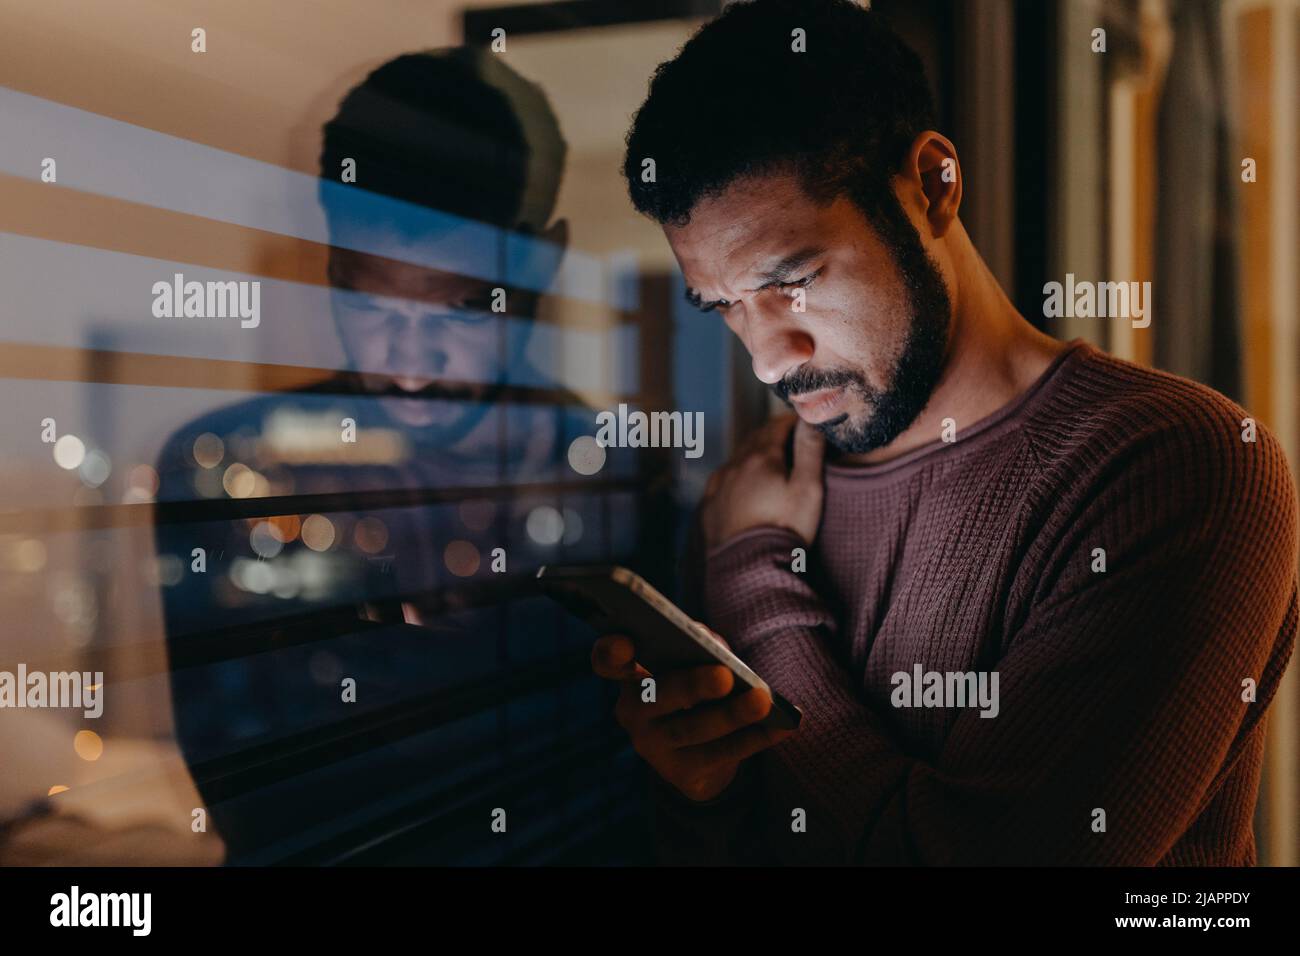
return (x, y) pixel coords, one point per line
(438, 252)
(486, 149)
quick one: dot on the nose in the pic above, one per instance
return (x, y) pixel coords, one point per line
(776, 343)
(415, 344)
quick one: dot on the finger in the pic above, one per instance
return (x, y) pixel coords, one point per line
(612, 657)
(781, 450)
(809, 451)
(763, 448)
(673, 692)
(735, 747)
(704, 628)
(776, 431)
(711, 486)
(708, 722)
(770, 432)
(779, 439)
(680, 689)
(780, 424)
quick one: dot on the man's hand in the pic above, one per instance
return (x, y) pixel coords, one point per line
(692, 738)
(754, 488)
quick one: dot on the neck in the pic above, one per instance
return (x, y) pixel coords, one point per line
(993, 355)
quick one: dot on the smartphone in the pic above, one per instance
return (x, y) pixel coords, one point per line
(614, 599)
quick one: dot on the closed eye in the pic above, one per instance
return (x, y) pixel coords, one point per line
(800, 283)
(721, 305)
(717, 305)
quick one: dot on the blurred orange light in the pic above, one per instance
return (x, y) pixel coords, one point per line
(88, 744)
(462, 558)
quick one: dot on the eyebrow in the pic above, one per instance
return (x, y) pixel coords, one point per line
(780, 272)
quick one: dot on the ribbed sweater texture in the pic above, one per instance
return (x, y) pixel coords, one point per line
(1125, 732)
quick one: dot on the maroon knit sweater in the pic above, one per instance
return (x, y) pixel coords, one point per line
(1119, 691)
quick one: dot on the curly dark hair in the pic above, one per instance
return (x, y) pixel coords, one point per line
(738, 100)
(455, 130)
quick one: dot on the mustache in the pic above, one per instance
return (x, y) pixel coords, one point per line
(804, 379)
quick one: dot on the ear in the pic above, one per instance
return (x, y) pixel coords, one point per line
(557, 234)
(334, 270)
(545, 251)
(932, 166)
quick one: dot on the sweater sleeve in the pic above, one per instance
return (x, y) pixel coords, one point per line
(1121, 692)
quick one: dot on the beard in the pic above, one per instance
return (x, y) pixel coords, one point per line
(916, 370)
(436, 415)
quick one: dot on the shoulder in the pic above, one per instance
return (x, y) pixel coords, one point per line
(1181, 494)
(1107, 415)
(1145, 454)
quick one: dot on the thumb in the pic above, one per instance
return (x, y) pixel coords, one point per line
(809, 450)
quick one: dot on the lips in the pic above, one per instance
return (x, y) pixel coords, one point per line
(411, 384)
(415, 391)
(818, 406)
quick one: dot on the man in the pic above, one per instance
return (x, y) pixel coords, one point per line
(453, 152)
(1103, 556)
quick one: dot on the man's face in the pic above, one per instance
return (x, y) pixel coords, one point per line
(863, 356)
(426, 341)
